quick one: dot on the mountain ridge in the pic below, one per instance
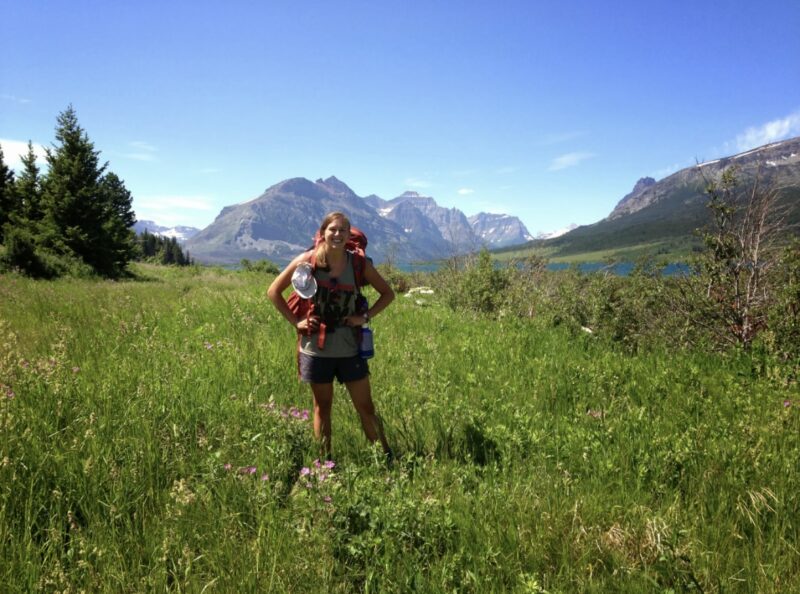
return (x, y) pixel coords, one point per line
(280, 223)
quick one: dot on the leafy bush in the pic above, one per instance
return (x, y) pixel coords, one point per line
(478, 288)
(260, 266)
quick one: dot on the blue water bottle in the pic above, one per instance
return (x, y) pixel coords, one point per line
(366, 349)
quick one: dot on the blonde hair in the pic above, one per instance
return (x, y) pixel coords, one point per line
(322, 252)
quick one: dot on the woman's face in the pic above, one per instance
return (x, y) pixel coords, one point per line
(336, 234)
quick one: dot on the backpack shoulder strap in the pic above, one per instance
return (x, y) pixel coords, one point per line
(359, 267)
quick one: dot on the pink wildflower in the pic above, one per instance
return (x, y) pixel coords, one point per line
(305, 471)
(227, 466)
(787, 403)
(327, 499)
(265, 477)
(329, 464)
(248, 470)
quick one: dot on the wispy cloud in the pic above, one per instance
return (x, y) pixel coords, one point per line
(559, 137)
(773, 131)
(670, 169)
(415, 182)
(465, 191)
(493, 207)
(569, 160)
(172, 202)
(14, 150)
(142, 151)
(505, 170)
(15, 99)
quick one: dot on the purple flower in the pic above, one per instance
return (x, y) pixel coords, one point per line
(227, 466)
(327, 499)
(305, 471)
(787, 403)
(329, 464)
(248, 470)
(265, 477)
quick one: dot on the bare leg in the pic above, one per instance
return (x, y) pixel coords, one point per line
(361, 394)
(323, 401)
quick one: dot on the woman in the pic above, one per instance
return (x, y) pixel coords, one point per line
(336, 355)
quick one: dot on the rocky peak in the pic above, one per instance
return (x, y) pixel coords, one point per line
(335, 185)
(636, 199)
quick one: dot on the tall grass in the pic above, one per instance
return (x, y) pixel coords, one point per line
(154, 438)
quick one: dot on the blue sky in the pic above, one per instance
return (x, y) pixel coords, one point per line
(550, 111)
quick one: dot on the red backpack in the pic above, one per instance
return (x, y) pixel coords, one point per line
(357, 245)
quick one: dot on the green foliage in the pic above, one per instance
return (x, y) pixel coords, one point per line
(8, 199)
(399, 281)
(478, 288)
(161, 250)
(260, 266)
(154, 437)
(75, 217)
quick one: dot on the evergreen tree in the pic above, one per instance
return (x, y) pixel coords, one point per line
(29, 189)
(8, 202)
(85, 213)
(119, 238)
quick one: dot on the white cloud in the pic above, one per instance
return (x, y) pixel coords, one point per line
(174, 209)
(172, 202)
(14, 150)
(766, 133)
(15, 99)
(413, 182)
(670, 169)
(143, 151)
(465, 191)
(560, 137)
(568, 160)
(505, 170)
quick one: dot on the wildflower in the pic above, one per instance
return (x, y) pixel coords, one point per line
(265, 477)
(305, 471)
(227, 466)
(248, 470)
(327, 499)
(787, 403)
(329, 464)
(9, 392)
(76, 369)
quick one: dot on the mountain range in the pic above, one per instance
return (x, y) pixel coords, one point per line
(655, 217)
(281, 223)
(663, 216)
(181, 233)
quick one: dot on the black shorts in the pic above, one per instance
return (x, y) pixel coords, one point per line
(322, 370)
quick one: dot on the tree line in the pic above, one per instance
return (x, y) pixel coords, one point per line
(74, 219)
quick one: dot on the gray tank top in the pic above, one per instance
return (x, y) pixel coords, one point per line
(334, 301)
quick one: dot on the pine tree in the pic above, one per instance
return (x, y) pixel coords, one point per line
(8, 201)
(86, 213)
(29, 189)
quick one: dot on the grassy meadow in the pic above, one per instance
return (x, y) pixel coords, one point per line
(154, 437)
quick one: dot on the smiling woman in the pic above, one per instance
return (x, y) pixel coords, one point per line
(332, 323)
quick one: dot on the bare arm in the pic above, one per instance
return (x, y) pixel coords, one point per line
(279, 285)
(385, 292)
